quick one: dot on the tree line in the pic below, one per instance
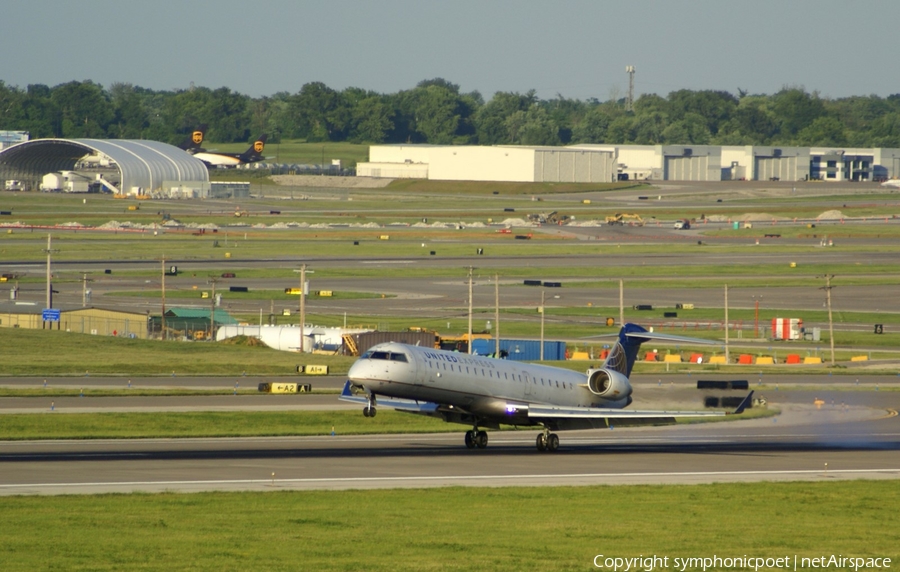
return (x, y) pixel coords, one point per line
(435, 111)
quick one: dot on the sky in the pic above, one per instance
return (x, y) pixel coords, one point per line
(575, 48)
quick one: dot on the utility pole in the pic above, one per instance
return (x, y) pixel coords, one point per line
(212, 309)
(49, 285)
(621, 302)
(497, 315)
(470, 312)
(727, 360)
(542, 325)
(827, 289)
(302, 305)
(162, 317)
(629, 103)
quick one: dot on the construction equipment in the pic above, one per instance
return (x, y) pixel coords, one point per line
(621, 218)
(548, 218)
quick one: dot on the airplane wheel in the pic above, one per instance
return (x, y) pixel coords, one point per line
(541, 442)
(552, 442)
(481, 439)
(372, 412)
(365, 411)
(470, 439)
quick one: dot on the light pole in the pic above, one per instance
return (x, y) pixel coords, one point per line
(469, 337)
(827, 289)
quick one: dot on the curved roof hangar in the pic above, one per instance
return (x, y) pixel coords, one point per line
(150, 165)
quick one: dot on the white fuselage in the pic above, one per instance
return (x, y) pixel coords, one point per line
(218, 160)
(479, 384)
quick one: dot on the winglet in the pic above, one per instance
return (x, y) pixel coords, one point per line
(740, 408)
(346, 392)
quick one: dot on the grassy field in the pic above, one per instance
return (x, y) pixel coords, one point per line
(76, 354)
(483, 529)
(58, 425)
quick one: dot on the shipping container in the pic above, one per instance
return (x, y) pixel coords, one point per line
(522, 350)
(366, 340)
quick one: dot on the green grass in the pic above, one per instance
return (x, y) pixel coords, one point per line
(59, 425)
(215, 424)
(483, 529)
(75, 354)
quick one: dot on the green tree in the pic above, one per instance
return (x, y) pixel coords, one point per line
(649, 127)
(714, 107)
(824, 131)
(85, 109)
(692, 128)
(621, 130)
(537, 128)
(12, 109)
(320, 113)
(371, 120)
(130, 118)
(491, 120)
(751, 124)
(795, 110)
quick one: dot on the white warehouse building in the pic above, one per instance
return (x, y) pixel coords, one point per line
(606, 163)
(499, 163)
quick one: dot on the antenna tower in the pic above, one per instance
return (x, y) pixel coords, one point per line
(629, 103)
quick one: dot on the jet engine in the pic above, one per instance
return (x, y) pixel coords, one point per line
(608, 383)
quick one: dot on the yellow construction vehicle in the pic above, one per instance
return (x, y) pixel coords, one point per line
(621, 218)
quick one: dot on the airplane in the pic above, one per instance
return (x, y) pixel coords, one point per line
(251, 155)
(891, 183)
(193, 143)
(485, 392)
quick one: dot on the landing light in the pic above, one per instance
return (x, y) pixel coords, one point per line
(511, 409)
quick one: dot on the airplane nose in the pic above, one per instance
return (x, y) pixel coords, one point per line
(355, 371)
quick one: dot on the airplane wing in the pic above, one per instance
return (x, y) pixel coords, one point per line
(409, 405)
(553, 412)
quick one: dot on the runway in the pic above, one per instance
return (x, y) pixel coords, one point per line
(857, 440)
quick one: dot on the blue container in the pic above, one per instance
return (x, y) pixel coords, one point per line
(522, 350)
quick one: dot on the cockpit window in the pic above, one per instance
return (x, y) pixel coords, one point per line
(388, 356)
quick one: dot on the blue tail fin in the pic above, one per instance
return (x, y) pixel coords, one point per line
(621, 357)
(631, 336)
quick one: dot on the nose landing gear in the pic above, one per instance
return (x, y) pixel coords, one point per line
(369, 409)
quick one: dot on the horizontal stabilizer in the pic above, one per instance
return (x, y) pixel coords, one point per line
(671, 338)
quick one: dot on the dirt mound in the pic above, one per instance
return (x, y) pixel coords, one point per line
(243, 341)
(319, 181)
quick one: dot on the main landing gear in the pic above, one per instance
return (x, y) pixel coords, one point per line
(547, 441)
(476, 438)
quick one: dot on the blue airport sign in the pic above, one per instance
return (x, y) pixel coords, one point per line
(50, 315)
